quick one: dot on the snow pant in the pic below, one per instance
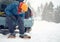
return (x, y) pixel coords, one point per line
(13, 21)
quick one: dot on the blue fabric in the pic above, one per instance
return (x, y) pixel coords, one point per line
(14, 18)
(12, 23)
(12, 9)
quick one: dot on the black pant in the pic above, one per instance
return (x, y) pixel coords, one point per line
(12, 21)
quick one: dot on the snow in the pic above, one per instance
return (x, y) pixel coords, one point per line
(42, 31)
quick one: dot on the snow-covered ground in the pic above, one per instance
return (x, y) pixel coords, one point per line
(42, 31)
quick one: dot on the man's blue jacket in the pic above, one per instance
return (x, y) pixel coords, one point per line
(12, 9)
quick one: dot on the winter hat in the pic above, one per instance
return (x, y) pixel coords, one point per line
(22, 7)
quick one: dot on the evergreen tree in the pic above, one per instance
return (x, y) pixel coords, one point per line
(44, 12)
(48, 12)
(39, 10)
(57, 14)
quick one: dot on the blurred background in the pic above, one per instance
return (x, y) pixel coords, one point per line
(46, 15)
(48, 10)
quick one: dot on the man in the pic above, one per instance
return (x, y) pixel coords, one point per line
(15, 16)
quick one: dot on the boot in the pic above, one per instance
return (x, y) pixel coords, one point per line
(11, 36)
(25, 36)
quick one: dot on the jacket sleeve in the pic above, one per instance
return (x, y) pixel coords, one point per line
(8, 10)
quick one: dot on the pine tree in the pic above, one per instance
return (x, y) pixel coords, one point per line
(48, 12)
(57, 14)
(44, 12)
(39, 10)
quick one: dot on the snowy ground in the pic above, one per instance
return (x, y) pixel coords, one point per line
(42, 31)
